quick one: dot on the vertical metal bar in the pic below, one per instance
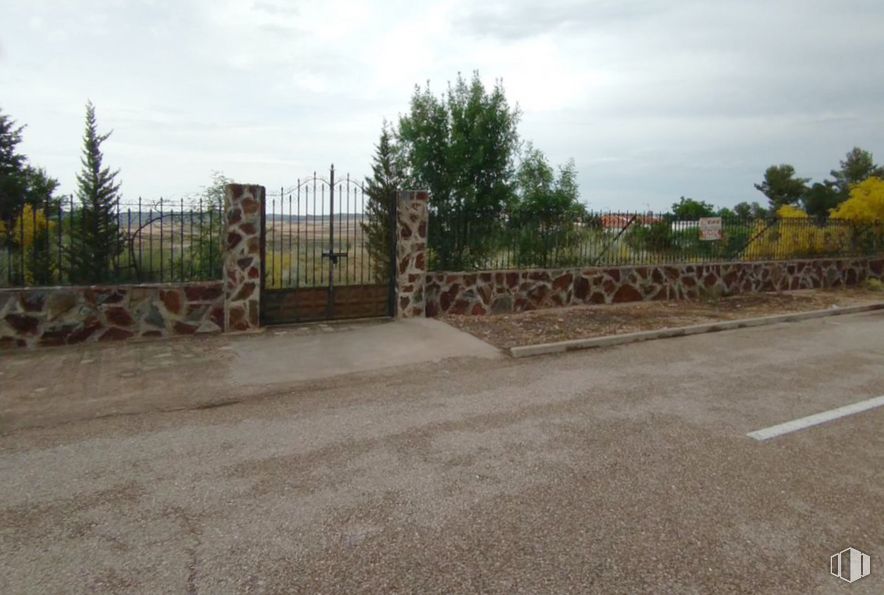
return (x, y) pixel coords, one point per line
(290, 234)
(129, 236)
(273, 243)
(8, 255)
(331, 243)
(21, 245)
(149, 229)
(171, 241)
(140, 264)
(181, 236)
(262, 246)
(117, 239)
(362, 255)
(313, 237)
(262, 283)
(211, 256)
(60, 261)
(34, 236)
(162, 257)
(200, 244)
(298, 235)
(394, 265)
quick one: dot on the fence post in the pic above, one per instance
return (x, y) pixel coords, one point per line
(411, 253)
(243, 207)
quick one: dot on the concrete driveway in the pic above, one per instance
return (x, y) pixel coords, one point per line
(627, 469)
(50, 386)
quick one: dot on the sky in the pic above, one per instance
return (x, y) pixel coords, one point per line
(652, 99)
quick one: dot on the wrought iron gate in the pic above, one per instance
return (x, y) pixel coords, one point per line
(323, 256)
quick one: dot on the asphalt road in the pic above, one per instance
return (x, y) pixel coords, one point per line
(619, 470)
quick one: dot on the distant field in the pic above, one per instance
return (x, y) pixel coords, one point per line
(294, 253)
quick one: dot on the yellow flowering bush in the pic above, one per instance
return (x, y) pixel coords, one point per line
(794, 235)
(31, 234)
(865, 205)
(30, 227)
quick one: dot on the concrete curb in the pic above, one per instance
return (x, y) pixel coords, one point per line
(696, 329)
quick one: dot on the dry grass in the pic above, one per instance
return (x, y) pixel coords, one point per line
(580, 322)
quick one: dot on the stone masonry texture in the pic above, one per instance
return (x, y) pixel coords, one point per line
(497, 292)
(411, 254)
(68, 315)
(242, 258)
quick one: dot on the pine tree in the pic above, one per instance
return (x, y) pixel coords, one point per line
(381, 189)
(857, 166)
(96, 239)
(13, 179)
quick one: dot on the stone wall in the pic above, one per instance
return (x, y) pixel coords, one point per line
(497, 292)
(69, 315)
(411, 254)
(242, 257)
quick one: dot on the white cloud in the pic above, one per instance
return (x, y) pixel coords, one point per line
(653, 99)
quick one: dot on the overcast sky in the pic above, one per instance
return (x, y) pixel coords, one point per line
(653, 99)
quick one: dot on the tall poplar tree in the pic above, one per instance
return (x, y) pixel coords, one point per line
(462, 147)
(96, 238)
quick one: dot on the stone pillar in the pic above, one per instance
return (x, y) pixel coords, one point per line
(411, 253)
(243, 206)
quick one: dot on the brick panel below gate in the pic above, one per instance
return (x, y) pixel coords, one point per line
(307, 304)
(498, 292)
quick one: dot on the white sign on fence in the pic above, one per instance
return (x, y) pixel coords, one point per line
(710, 228)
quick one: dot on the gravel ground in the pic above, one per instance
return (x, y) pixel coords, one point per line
(582, 322)
(623, 470)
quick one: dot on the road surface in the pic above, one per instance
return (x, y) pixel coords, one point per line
(626, 469)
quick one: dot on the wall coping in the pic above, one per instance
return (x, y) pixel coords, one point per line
(109, 286)
(665, 264)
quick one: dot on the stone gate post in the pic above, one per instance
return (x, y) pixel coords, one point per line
(411, 254)
(243, 208)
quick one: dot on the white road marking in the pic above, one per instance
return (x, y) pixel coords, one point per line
(817, 419)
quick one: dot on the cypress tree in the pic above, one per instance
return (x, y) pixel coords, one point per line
(96, 239)
(381, 189)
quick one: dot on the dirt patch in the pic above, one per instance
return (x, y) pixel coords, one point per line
(581, 322)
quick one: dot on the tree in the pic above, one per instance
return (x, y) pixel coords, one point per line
(39, 187)
(96, 238)
(781, 187)
(688, 209)
(32, 237)
(20, 182)
(753, 210)
(201, 259)
(866, 202)
(743, 210)
(461, 147)
(544, 200)
(546, 210)
(381, 188)
(13, 165)
(856, 166)
(820, 199)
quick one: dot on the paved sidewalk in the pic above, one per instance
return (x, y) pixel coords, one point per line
(49, 385)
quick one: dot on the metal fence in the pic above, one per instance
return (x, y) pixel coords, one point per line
(143, 242)
(609, 239)
(319, 229)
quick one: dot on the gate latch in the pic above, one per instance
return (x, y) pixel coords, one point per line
(334, 256)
